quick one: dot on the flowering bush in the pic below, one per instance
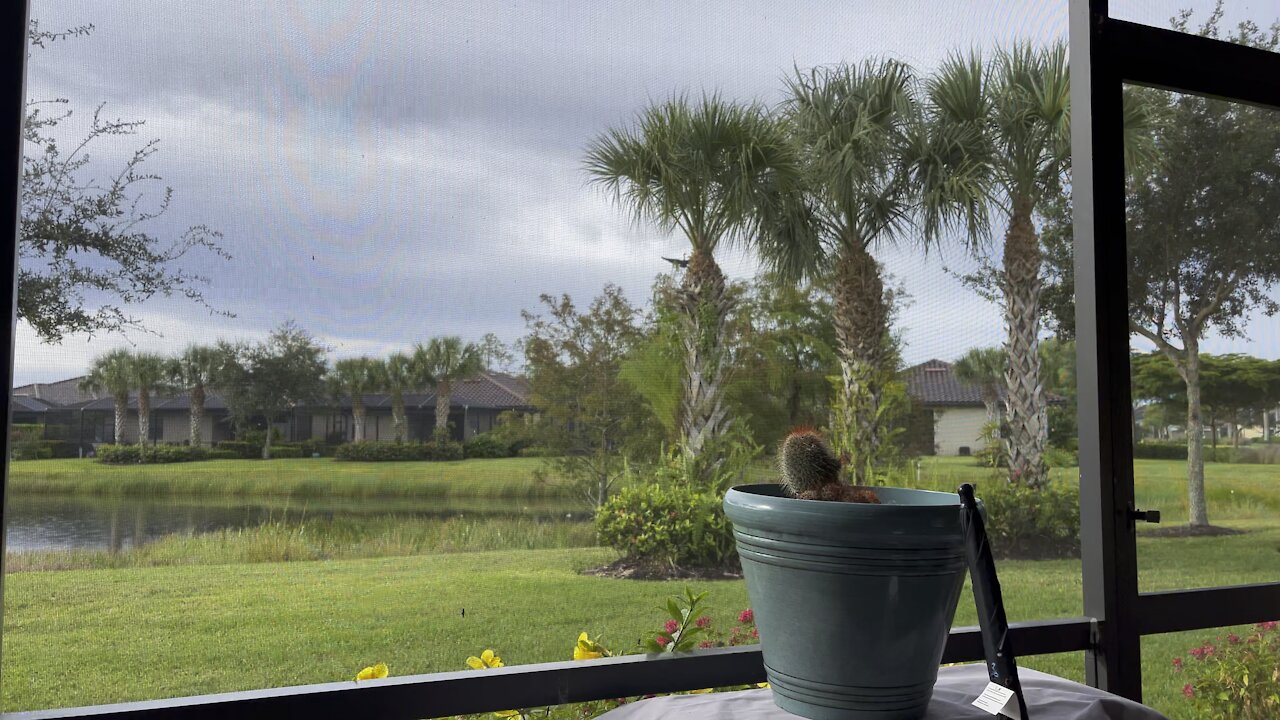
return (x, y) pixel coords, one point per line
(1236, 678)
(685, 628)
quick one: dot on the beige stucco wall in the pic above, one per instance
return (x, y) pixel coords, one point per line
(956, 427)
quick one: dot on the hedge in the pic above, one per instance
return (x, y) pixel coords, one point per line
(134, 454)
(43, 449)
(486, 445)
(374, 451)
(1163, 450)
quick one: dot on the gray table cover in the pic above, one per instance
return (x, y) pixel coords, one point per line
(1048, 698)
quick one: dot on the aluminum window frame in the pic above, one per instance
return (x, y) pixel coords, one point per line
(1105, 54)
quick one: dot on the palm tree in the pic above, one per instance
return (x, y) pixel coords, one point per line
(1021, 107)
(150, 373)
(710, 171)
(112, 373)
(195, 369)
(399, 376)
(874, 168)
(356, 377)
(446, 360)
(1015, 115)
(985, 368)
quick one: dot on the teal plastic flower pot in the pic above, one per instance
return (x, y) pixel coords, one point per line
(853, 602)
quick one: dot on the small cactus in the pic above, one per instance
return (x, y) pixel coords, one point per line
(810, 471)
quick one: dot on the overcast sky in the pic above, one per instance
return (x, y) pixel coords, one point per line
(383, 172)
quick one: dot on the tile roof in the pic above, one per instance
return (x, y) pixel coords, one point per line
(934, 383)
(28, 404)
(62, 393)
(497, 391)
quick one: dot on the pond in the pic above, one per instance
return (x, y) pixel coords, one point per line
(44, 522)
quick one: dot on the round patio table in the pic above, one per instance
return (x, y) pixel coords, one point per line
(1048, 698)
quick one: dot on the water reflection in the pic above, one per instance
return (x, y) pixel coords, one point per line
(64, 523)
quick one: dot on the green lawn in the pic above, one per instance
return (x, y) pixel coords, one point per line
(93, 636)
(305, 478)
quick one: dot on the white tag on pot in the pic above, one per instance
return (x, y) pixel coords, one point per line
(998, 700)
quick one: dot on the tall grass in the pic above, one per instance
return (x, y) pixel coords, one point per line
(303, 541)
(303, 478)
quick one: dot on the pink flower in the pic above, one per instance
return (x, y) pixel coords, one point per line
(670, 626)
(705, 644)
(1188, 690)
(1177, 663)
(1268, 625)
(1233, 639)
(703, 621)
(746, 616)
(662, 640)
(755, 633)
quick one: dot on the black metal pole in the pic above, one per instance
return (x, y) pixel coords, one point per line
(1107, 542)
(13, 105)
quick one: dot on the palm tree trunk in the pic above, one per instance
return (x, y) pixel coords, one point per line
(705, 302)
(266, 444)
(144, 416)
(442, 410)
(121, 403)
(990, 398)
(357, 416)
(397, 416)
(1026, 410)
(1199, 511)
(861, 320)
(197, 414)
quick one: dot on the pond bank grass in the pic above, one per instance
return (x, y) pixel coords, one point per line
(280, 542)
(302, 478)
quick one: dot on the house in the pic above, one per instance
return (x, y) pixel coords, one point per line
(69, 413)
(954, 406)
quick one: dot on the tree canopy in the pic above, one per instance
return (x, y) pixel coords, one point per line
(85, 253)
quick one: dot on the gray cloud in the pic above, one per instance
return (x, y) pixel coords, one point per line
(385, 171)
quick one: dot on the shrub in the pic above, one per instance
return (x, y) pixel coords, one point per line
(313, 447)
(134, 454)
(674, 525)
(536, 451)
(43, 449)
(242, 449)
(26, 432)
(217, 454)
(370, 451)
(1057, 457)
(1026, 523)
(286, 452)
(1238, 679)
(486, 445)
(1166, 450)
(994, 453)
(444, 450)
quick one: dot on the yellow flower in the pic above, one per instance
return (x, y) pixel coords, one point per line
(508, 714)
(703, 691)
(373, 672)
(588, 649)
(763, 685)
(486, 660)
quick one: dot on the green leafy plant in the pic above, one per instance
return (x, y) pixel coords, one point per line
(682, 630)
(675, 525)
(1238, 679)
(995, 451)
(1029, 523)
(486, 445)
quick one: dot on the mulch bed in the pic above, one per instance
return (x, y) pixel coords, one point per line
(644, 570)
(1191, 531)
